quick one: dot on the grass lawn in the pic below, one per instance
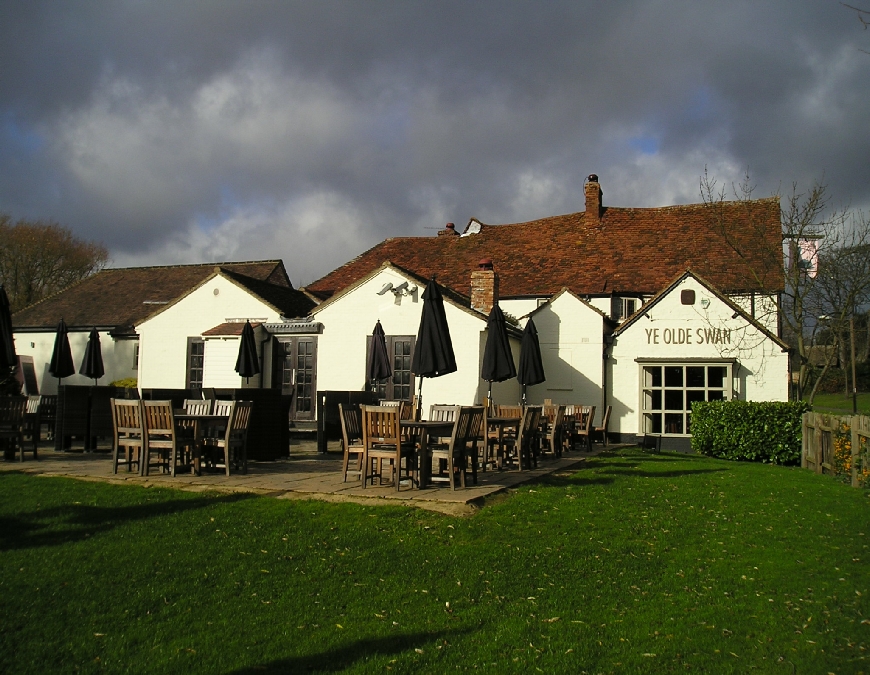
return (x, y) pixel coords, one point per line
(636, 564)
(838, 403)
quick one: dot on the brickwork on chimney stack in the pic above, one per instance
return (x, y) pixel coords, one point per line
(484, 290)
(593, 203)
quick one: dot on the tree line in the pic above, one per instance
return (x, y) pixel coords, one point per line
(39, 258)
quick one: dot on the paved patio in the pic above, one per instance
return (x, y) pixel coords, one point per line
(306, 474)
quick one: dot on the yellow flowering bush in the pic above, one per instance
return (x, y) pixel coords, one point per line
(843, 456)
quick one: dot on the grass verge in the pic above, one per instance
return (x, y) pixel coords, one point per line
(636, 563)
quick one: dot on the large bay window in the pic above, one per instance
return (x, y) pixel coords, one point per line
(668, 390)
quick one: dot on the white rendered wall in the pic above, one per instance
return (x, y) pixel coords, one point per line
(571, 337)
(677, 332)
(163, 338)
(117, 357)
(518, 308)
(341, 348)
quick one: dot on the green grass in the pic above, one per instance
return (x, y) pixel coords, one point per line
(838, 403)
(636, 564)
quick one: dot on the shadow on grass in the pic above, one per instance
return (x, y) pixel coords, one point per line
(343, 657)
(73, 522)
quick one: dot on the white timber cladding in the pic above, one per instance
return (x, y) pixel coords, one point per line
(219, 364)
(706, 333)
(163, 337)
(117, 357)
(571, 336)
(349, 320)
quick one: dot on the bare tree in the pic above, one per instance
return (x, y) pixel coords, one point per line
(822, 255)
(39, 258)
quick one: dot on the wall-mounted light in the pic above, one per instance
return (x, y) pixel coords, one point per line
(735, 315)
(648, 317)
(387, 286)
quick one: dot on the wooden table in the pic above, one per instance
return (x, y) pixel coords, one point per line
(199, 424)
(425, 428)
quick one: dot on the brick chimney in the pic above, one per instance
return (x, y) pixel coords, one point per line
(593, 201)
(449, 230)
(484, 287)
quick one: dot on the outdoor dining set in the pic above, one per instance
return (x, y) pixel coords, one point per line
(389, 444)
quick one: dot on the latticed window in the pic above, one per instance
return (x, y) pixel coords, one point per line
(669, 389)
(195, 362)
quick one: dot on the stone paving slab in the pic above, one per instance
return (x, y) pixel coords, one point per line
(306, 474)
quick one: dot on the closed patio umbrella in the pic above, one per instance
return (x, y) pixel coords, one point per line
(8, 360)
(433, 352)
(7, 341)
(498, 362)
(61, 357)
(531, 366)
(92, 365)
(247, 363)
(378, 361)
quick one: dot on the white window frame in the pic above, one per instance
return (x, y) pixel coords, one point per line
(647, 412)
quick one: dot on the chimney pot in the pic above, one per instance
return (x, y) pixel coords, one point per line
(485, 264)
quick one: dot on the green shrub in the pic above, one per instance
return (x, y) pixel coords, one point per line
(747, 430)
(128, 382)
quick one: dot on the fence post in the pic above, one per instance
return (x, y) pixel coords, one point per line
(856, 444)
(804, 439)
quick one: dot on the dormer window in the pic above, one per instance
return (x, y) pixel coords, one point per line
(621, 308)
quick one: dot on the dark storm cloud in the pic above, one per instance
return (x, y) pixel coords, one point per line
(174, 132)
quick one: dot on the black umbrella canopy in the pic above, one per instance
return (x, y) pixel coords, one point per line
(433, 353)
(378, 362)
(247, 364)
(531, 366)
(498, 362)
(92, 365)
(61, 358)
(7, 342)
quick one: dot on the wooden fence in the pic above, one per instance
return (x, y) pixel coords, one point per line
(819, 433)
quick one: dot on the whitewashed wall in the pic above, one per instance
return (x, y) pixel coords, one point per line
(117, 357)
(676, 331)
(518, 308)
(571, 336)
(163, 338)
(341, 349)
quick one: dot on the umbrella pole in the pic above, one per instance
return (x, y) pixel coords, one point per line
(524, 395)
(420, 399)
(489, 394)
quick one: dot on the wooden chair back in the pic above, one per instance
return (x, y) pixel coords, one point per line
(158, 422)
(602, 428)
(383, 441)
(223, 408)
(12, 411)
(528, 434)
(554, 432)
(352, 439)
(198, 406)
(128, 433)
(583, 427)
(515, 411)
(442, 413)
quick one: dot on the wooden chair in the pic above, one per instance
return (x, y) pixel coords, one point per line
(583, 428)
(198, 406)
(383, 443)
(47, 415)
(128, 434)
(460, 451)
(602, 429)
(552, 439)
(159, 434)
(12, 411)
(31, 423)
(235, 441)
(522, 448)
(352, 440)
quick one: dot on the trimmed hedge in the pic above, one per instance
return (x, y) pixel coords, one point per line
(749, 431)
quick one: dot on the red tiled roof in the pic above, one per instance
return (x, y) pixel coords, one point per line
(630, 251)
(124, 297)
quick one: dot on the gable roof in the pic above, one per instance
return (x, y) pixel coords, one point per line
(628, 251)
(463, 302)
(122, 298)
(739, 311)
(567, 291)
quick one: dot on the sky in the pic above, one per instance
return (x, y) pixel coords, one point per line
(204, 131)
